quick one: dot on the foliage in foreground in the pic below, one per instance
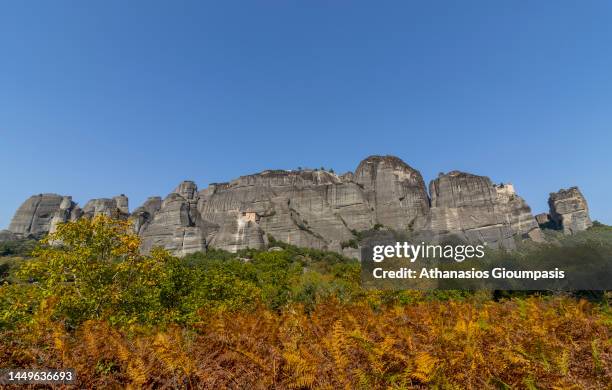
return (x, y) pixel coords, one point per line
(291, 318)
(532, 343)
(92, 269)
(20, 248)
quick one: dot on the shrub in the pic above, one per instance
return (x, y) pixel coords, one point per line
(352, 243)
(534, 342)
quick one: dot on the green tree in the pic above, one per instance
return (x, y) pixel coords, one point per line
(92, 268)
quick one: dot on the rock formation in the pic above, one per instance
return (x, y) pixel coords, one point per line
(396, 192)
(569, 210)
(543, 219)
(6, 235)
(317, 209)
(67, 211)
(304, 208)
(473, 208)
(175, 224)
(117, 207)
(143, 215)
(40, 213)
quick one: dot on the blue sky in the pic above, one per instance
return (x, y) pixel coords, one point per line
(108, 97)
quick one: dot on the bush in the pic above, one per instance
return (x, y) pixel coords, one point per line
(528, 343)
(352, 243)
(599, 225)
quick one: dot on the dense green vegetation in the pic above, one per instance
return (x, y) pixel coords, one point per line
(94, 270)
(98, 272)
(21, 248)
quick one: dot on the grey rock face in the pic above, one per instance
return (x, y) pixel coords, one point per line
(174, 224)
(471, 207)
(116, 207)
(34, 217)
(121, 202)
(569, 210)
(144, 214)
(68, 211)
(187, 189)
(395, 191)
(542, 218)
(317, 209)
(299, 207)
(6, 235)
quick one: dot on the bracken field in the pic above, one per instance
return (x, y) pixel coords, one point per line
(288, 318)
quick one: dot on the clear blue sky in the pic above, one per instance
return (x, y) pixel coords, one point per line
(108, 97)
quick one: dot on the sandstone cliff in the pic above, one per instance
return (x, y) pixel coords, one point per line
(317, 209)
(569, 210)
(41, 213)
(173, 223)
(475, 209)
(395, 190)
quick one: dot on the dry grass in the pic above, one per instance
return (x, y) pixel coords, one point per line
(557, 343)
